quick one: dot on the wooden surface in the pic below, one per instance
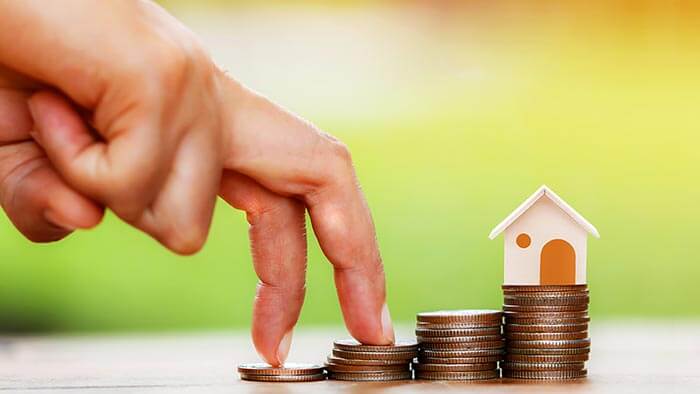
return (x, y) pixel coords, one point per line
(627, 357)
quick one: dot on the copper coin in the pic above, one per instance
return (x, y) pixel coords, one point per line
(376, 363)
(549, 375)
(366, 368)
(458, 332)
(545, 308)
(286, 369)
(537, 358)
(455, 367)
(458, 326)
(283, 378)
(460, 360)
(371, 376)
(544, 336)
(497, 344)
(547, 351)
(470, 339)
(457, 353)
(544, 301)
(354, 346)
(546, 320)
(374, 355)
(545, 327)
(461, 316)
(566, 344)
(522, 366)
(557, 288)
(475, 375)
(545, 315)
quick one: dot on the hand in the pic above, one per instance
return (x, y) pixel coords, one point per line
(132, 120)
(144, 124)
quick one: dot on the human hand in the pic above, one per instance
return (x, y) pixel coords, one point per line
(152, 157)
(132, 121)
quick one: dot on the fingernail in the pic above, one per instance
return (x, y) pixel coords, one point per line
(387, 326)
(57, 220)
(283, 349)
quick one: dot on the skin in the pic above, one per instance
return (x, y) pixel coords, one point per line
(124, 110)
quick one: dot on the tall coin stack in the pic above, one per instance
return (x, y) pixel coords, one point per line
(546, 331)
(366, 363)
(459, 345)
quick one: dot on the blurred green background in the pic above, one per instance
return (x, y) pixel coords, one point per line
(454, 113)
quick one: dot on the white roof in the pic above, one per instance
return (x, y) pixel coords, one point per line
(541, 192)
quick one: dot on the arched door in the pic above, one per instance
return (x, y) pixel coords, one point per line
(557, 263)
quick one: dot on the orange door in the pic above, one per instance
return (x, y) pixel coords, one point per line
(557, 263)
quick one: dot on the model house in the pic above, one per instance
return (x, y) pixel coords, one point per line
(545, 242)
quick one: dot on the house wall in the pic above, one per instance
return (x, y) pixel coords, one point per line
(544, 221)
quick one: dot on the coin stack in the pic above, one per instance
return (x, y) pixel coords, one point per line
(367, 363)
(290, 372)
(546, 331)
(459, 345)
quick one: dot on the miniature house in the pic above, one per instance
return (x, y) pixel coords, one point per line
(545, 242)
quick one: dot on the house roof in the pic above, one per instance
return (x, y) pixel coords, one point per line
(542, 192)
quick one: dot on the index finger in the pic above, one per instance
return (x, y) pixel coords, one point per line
(291, 157)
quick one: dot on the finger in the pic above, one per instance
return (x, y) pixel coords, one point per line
(289, 156)
(190, 192)
(278, 244)
(123, 174)
(36, 200)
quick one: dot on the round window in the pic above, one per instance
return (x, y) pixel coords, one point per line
(523, 240)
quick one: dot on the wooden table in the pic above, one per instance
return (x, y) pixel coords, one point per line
(627, 357)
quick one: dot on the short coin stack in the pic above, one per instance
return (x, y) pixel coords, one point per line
(365, 363)
(459, 345)
(546, 331)
(290, 372)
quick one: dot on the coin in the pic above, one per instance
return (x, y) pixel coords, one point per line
(468, 339)
(459, 360)
(538, 336)
(455, 367)
(511, 320)
(538, 358)
(548, 328)
(509, 373)
(549, 300)
(371, 376)
(475, 375)
(540, 288)
(458, 326)
(522, 366)
(283, 378)
(461, 316)
(374, 355)
(546, 351)
(545, 315)
(375, 363)
(495, 344)
(545, 308)
(458, 353)
(286, 369)
(458, 332)
(354, 346)
(332, 367)
(566, 344)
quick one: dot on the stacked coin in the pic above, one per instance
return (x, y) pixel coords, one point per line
(459, 345)
(290, 372)
(546, 331)
(365, 363)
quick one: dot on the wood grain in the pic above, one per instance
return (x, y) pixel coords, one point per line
(627, 357)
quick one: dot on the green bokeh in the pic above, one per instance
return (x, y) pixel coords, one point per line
(441, 164)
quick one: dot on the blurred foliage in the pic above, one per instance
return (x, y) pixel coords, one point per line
(445, 147)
